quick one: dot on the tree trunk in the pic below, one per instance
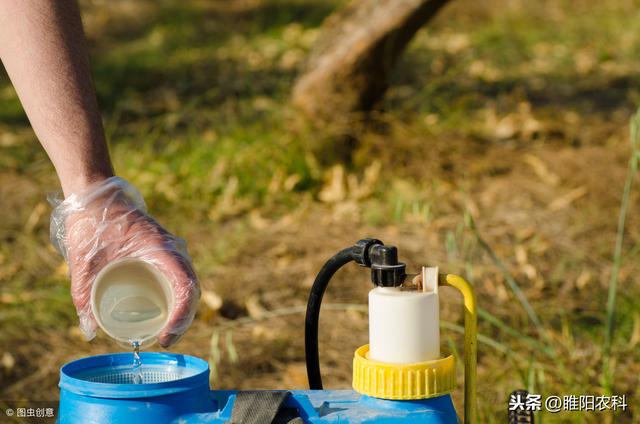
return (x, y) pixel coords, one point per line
(348, 69)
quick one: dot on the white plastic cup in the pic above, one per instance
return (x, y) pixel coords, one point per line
(131, 300)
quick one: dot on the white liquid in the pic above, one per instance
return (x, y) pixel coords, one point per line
(137, 364)
(135, 309)
(133, 317)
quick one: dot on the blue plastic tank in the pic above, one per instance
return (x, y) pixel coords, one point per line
(175, 389)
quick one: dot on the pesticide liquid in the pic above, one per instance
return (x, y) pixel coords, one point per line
(137, 363)
(133, 317)
(135, 309)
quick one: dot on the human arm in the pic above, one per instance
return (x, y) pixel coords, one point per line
(103, 218)
(42, 47)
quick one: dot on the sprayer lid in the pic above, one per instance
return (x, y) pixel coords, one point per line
(420, 380)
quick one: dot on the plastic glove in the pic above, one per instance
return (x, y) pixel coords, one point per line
(109, 221)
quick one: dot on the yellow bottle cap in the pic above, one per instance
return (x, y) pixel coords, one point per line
(419, 380)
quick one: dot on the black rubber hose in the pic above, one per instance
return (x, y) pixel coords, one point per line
(313, 313)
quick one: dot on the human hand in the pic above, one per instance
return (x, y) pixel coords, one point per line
(107, 222)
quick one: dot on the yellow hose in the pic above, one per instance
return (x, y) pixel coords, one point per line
(470, 342)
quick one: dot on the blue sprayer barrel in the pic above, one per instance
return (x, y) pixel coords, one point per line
(186, 398)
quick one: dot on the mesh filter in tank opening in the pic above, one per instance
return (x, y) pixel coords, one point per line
(124, 374)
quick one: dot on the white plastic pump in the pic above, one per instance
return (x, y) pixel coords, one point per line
(404, 322)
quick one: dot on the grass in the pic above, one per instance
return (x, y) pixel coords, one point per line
(513, 284)
(513, 115)
(608, 371)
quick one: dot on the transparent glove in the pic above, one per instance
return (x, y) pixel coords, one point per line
(109, 221)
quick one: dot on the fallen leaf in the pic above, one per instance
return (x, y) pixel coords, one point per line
(7, 360)
(506, 128)
(541, 170)
(334, 190)
(211, 299)
(567, 199)
(254, 307)
(257, 221)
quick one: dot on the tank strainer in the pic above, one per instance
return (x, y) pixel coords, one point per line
(124, 374)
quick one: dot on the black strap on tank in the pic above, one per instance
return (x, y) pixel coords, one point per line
(263, 407)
